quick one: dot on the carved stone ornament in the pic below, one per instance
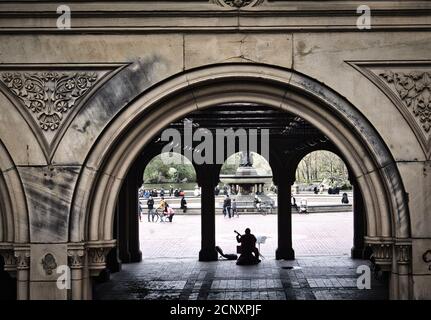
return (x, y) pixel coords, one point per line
(408, 85)
(22, 259)
(414, 89)
(75, 258)
(9, 259)
(382, 253)
(49, 264)
(403, 253)
(49, 95)
(237, 3)
(97, 252)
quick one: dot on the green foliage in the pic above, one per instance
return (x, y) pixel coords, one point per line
(320, 166)
(158, 171)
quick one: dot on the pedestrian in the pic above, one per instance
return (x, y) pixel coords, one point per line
(227, 206)
(184, 204)
(345, 199)
(171, 190)
(234, 209)
(150, 205)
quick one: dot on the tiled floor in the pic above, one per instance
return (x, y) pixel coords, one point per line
(186, 279)
(322, 270)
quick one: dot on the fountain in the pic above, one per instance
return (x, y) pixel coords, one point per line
(247, 183)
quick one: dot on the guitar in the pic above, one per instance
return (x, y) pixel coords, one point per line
(237, 232)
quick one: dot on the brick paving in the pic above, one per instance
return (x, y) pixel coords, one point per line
(310, 278)
(313, 234)
(170, 270)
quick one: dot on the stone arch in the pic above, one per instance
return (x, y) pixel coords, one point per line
(359, 143)
(14, 223)
(13, 208)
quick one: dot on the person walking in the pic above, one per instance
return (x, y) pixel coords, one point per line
(227, 206)
(184, 204)
(150, 205)
(234, 209)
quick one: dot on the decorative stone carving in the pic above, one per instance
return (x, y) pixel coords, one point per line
(427, 258)
(97, 252)
(237, 3)
(22, 259)
(403, 253)
(49, 264)
(9, 259)
(75, 258)
(408, 85)
(414, 89)
(49, 95)
(382, 253)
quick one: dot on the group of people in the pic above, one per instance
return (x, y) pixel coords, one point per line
(166, 211)
(230, 208)
(143, 193)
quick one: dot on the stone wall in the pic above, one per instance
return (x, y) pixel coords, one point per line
(51, 116)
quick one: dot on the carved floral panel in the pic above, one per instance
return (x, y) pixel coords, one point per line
(414, 89)
(49, 96)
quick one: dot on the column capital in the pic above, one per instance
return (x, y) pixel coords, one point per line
(97, 252)
(75, 254)
(22, 255)
(7, 251)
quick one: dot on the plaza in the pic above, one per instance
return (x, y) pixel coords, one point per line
(323, 269)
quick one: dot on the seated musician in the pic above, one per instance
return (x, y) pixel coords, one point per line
(249, 252)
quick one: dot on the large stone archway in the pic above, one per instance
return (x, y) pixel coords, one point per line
(93, 207)
(14, 224)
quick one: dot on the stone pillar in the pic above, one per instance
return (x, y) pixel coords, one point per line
(284, 250)
(75, 255)
(359, 250)
(123, 226)
(133, 198)
(128, 218)
(22, 256)
(207, 179)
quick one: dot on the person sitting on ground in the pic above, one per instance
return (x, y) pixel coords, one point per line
(249, 252)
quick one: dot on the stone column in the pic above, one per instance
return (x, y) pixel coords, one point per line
(135, 177)
(128, 217)
(22, 255)
(123, 226)
(285, 250)
(207, 179)
(75, 255)
(358, 251)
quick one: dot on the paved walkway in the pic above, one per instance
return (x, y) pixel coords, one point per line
(313, 234)
(310, 278)
(170, 270)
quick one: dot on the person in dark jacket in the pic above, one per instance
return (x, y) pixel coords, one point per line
(249, 252)
(150, 204)
(184, 204)
(227, 206)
